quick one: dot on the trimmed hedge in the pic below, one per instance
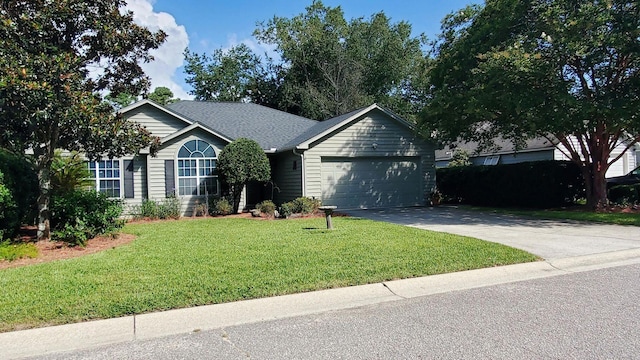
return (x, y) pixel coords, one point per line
(625, 194)
(536, 184)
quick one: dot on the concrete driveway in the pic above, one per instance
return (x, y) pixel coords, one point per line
(549, 239)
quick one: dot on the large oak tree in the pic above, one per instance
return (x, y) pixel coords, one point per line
(564, 69)
(56, 58)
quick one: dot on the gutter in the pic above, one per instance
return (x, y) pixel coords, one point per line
(304, 187)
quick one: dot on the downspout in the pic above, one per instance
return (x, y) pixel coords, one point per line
(303, 174)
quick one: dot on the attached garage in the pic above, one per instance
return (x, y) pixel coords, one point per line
(366, 159)
(371, 182)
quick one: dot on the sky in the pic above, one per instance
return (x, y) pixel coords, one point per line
(207, 25)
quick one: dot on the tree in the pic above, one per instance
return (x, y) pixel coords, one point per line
(162, 95)
(241, 162)
(223, 76)
(460, 157)
(564, 69)
(334, 65)
(122, 100)
(55, 59)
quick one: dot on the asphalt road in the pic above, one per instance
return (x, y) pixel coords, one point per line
(586, 315)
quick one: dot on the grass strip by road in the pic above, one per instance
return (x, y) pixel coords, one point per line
(615, 218)
(175, 264)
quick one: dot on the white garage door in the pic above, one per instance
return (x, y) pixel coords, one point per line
(352, 183)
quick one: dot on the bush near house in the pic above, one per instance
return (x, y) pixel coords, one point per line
(267, 207)
(79, 215)
(168, 208)
(301, 205)
(20, 185)
(625, 194)
(538, 184)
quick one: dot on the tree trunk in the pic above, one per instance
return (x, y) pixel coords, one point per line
(44, 198)
(595, 185)
(236, 192)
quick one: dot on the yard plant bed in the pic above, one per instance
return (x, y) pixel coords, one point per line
(174, 264)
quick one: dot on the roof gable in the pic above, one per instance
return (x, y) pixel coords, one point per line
(324, 128)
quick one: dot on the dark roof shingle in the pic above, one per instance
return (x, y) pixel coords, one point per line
(269, 127)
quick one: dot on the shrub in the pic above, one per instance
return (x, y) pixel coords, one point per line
(625, 194)
(9, 219)
(286, 209)
(221, 206)
(267, 207)
(21, 182)
(168, 208)
(301, 205)
(538, 184)
(80, 215)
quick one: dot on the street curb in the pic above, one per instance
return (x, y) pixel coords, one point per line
(91, 334)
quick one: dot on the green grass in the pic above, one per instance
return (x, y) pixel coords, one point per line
(176, 264)
(10, 252)
(577, 215)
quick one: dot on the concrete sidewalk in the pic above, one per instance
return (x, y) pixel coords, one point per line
(91, 334)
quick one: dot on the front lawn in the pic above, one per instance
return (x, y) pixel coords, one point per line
(617, 218)
(174, 264)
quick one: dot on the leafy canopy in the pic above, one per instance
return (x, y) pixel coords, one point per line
(56, 57)
(241, 162)
(564, 69)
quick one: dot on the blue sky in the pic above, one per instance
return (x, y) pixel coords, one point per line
(204, 26)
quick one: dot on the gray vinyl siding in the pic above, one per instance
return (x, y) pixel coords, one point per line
(169, 151)
(356, 140)
(158, 122)
(286, 178)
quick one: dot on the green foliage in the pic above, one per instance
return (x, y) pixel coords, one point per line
(162, 95)
(561, 69)
(20, 185)
(217, 260)
(225, 75)
(625, 194)
(538, 184)
(333, 66)
(11, 252)
(301, 205)
(460, 158)
(69, 173)
(80, 215)
(120, 101)
(8, 210)
(168, 208)
(49, 92)
(241, 162)
(267, 207)
(221, 206)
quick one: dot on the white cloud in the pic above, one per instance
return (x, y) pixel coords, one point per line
(257, 47)
(168, 57)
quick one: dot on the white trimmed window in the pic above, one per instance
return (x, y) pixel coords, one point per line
(106, 175)
(492, 160)
(197, 169)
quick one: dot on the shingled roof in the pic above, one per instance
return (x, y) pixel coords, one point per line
(270, 128)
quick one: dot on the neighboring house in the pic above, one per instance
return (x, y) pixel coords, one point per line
(368, 158)
(536, 150)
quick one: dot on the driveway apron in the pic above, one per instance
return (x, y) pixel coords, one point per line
(549, 239)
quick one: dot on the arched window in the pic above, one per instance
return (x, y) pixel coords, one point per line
(197, 169)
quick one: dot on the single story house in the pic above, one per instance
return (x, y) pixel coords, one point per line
(537, 149)
(368, 158)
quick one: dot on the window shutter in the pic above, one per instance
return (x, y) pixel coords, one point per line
(169, 178)
(128, 179)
